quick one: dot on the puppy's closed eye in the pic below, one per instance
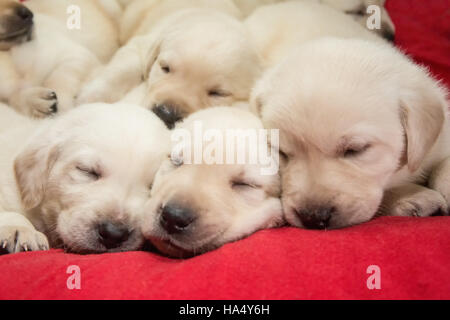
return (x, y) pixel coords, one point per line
(284, 155)
(359, 12)
(165, 67)
(90, 173)
(218, 93)
(240, 185)
(353, 151)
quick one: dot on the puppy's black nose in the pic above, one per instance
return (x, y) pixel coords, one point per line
(176, 219)
(112, 235)
(168, 114)
(24, 13)
(316, 218)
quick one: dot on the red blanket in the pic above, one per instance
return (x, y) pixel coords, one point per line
(411, 256)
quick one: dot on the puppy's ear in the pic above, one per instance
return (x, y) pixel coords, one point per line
(422, 111)
(257, 98)
(152, 56)
(32, 168)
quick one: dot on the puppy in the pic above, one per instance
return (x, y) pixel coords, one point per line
(79, 181)
(43, 76)
(364, 130)
(197, 206)
(357, 9)
(194, 59)
(276, 29)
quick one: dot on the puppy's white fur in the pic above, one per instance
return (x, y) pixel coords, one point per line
(229, 201)
(141, 16)
(64, 177)
(359, 122)
(357, 9)
(276, 29)
(58, 59)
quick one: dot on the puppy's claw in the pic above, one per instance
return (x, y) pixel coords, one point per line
(22, 239)
(52, 96)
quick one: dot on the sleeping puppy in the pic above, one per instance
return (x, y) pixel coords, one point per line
(43, 76)
(194, 59)
(79, 181)
(197, 206)
(358, 9)
(363, 130)
(276, 29)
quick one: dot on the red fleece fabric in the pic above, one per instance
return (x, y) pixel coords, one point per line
(413, 254)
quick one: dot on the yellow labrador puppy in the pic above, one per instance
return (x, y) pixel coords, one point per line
(276, 29)
(199, 205)
(193, 59)
(47, 53)
(363, 130)
(79, 181)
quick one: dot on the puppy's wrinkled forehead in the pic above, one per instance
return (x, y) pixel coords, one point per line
(312, 110)
(214, 39)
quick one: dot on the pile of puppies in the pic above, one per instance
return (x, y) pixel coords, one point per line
(87, 156)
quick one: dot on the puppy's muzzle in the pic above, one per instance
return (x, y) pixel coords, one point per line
(112, 235)
(168, 113)
(17, 25)
(176, 219)
(316, 218)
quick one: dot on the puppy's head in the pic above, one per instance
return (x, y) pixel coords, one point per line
(354, 117)
(201, 58)
(16, 24)
(86, 176)
(197, 206)
(358, 9)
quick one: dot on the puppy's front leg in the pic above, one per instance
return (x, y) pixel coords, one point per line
(17, 234)
(67, 79)
(115, 80)
(412, 200)
(9, 77)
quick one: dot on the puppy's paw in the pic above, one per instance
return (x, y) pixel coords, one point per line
(21, 239)
(39, 102)
(423, 204)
